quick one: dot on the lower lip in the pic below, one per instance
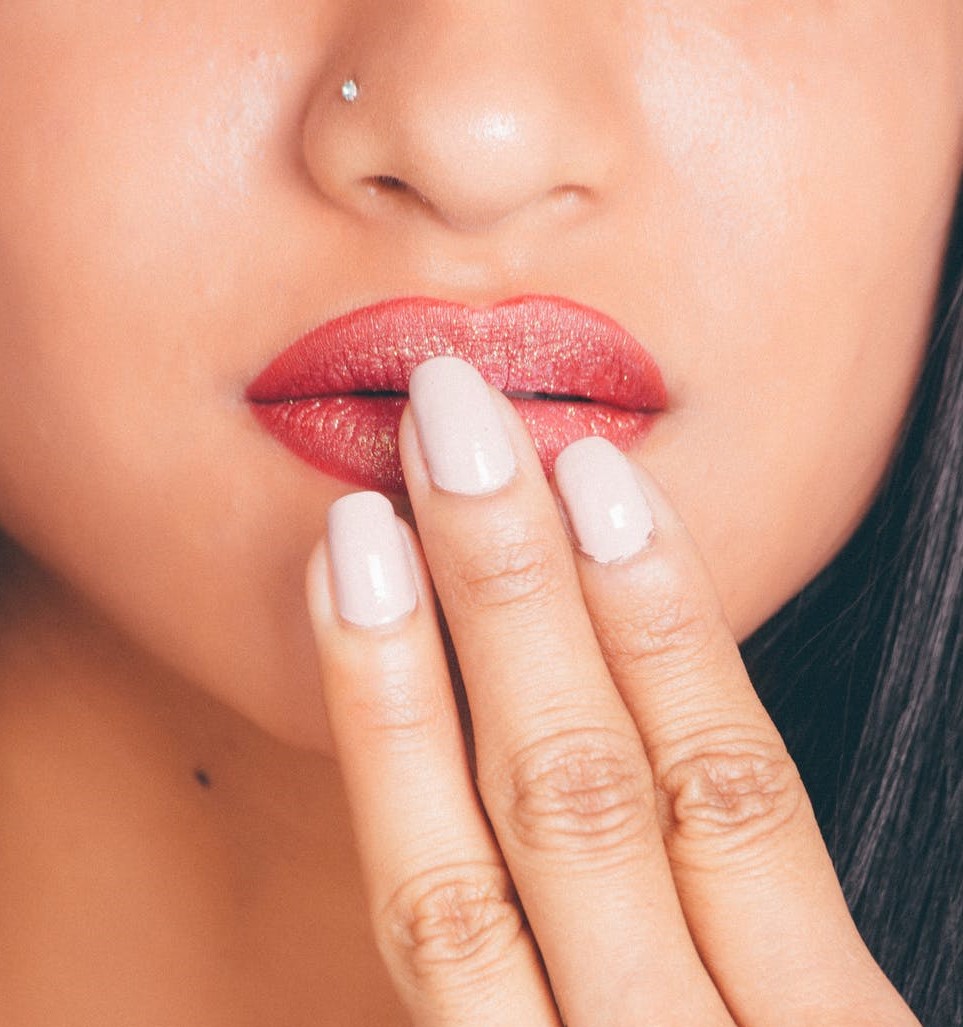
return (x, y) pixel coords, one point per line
(355, 437)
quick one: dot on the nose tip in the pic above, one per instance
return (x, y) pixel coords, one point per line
(470, 134)
(475, 159)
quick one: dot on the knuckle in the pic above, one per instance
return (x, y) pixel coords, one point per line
(580, 793)
(732, 797)
(391, 697)
(454, 924)
(667, 629)
(396, 711)
(517, 571)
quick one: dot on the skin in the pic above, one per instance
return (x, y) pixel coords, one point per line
(759, 191)
(632, 795)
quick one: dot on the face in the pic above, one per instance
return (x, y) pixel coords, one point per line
(758, 191)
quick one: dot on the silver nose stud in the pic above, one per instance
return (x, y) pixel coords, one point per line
(349, 91)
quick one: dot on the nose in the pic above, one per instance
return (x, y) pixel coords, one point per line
(469, 113)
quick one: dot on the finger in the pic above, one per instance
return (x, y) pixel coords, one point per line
(760, 894)
(560, 765)
(445, 915)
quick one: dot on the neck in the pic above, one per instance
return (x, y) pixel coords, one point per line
(167, 787)
(62, 663)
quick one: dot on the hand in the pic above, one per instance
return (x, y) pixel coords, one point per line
(637, 847)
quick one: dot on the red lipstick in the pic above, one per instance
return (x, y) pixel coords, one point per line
(335, 396)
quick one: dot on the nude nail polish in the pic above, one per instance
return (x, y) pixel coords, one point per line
(603, 499)
(373, 580)
(464, 441)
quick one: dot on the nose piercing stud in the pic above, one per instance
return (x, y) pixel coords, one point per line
(349, 91)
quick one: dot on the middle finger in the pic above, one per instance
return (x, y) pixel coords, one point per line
(561, 768)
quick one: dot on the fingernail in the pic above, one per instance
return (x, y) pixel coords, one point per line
(464, 442)
(603, 499)
(373, 580)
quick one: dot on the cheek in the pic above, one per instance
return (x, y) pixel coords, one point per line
(125, 152)
(808, 191)
(124, 181)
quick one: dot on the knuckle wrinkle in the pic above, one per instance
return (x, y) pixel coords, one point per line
(516, 573)
(740, 797)
(395, 709)
(665, 631)
(580, 793)
(457, 922)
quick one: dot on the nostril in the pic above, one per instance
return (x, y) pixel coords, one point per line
(384, 185)
(388, 183)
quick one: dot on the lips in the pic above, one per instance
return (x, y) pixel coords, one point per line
(335, 397)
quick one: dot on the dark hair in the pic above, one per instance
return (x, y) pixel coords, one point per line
(863, 674)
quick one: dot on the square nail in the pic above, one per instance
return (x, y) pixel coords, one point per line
(373, 579)
(464, 441)
(603, 499)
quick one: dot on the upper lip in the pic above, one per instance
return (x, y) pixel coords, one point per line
(544, 345)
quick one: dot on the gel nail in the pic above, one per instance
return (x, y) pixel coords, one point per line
(464, 442)
(373, 580)
(603, 499)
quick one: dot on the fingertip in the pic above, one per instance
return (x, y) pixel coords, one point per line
(461, 435)
(363, 570)
(605, 502)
